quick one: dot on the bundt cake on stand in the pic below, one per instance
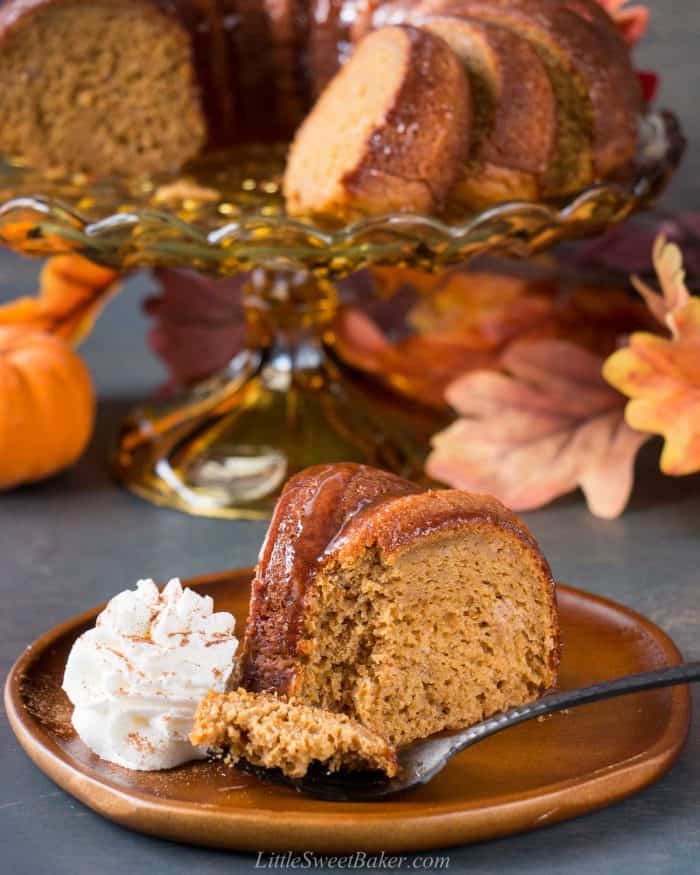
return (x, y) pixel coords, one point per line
(420, 132)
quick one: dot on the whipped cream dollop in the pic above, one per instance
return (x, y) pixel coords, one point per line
(136, 678)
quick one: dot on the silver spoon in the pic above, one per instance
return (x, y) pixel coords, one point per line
(420, 762)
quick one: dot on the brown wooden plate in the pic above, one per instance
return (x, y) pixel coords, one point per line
(527, 777)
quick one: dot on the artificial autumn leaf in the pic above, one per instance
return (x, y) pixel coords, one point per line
(627, 248)
(674, 304)
(488, 310)
(199, 324)
(661, 375)
(419, 366)
(388, 281)
(472, 316)
(548, 425)
(483, 310)
(631, 20)
(596, 317)
(72, 292)
(463, 324)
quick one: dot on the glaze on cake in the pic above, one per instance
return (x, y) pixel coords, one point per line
(410, 611)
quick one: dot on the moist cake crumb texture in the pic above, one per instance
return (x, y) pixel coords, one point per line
(271, 732)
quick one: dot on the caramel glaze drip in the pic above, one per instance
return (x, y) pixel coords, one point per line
(235, 57)
(311, 514)
(254, 52)
(235, 54)
(213, 61)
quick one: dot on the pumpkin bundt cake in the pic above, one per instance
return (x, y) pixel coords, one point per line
(409, 611)
(145, 85)
(276, 734)
(391, 131)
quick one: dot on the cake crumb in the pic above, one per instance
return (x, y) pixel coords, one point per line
(278, 733)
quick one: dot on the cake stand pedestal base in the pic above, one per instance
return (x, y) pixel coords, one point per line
(286, 402)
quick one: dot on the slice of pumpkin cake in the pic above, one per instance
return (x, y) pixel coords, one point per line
(390, 131)
(409, 611)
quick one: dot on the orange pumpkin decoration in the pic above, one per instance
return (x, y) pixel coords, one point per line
(47, 405)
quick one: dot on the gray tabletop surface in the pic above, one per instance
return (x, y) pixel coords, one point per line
(77, 539)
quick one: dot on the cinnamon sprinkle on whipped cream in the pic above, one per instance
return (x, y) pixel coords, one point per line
(136, 678)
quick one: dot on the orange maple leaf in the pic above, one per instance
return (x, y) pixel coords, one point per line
(483, 310)
(71, 295)
(388, 281)
(419, 367)
(466, 319)
(549, 425)
(632, 20)
(674, 308)
(661, 375)
(462, 322)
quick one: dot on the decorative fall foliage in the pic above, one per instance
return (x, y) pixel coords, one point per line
(483, 310)
(662, 374)
(199, 324)
(628, 247)
(471, 317)
(463, 320)
(522, 361)
(47, 404)
(472, 333)
(632, 19)
(72, 293)
(548, 425)
(419, 367)
(551, 423)
(674, 307)
(388, 281)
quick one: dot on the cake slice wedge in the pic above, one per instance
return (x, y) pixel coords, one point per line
(515, 125)
(390, 132)
(410, 611)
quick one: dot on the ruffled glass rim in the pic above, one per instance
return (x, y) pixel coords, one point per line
(110, 224)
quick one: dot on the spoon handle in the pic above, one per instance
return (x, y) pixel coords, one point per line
(650, 680)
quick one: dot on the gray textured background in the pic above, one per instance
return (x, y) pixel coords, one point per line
(77, 539)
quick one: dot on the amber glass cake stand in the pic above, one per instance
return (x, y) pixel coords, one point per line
(283, 403)
(286, 401)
